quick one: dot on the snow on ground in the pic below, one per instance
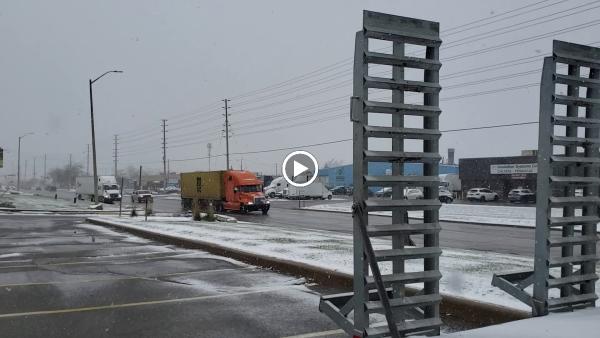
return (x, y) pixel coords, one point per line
(581, 323)
(30, 201)
(466, 273)
(470, 213)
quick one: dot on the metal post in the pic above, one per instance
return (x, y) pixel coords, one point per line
(121, 200)
(87, 162)
(19, 166)
(95, 168)
(116, 154)
(34, 166)
(45, 167)
(164, 127)
(146, 210)
(94, 165)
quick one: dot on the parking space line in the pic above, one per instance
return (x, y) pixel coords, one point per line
(140, 260)
(136, 304)
(317, 334)
(153, 278)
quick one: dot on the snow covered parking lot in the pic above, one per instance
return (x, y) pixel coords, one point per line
(466, 273)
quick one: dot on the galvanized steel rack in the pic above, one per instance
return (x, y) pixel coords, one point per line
(568, 185)
(407, 310)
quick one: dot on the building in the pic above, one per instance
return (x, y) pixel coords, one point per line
(500, 174)
(342, 175)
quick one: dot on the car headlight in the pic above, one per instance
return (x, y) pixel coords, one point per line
(268, 202)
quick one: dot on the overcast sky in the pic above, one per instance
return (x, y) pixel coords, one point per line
(180, 58)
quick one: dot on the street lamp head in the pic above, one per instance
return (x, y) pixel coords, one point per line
(117, 71)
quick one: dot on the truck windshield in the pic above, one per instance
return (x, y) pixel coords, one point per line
(250, 188)
(110, 187)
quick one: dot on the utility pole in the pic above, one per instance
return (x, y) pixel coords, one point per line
(164, 126)
(94, 133)
(25, 169)
(34, 164)
(45, 167)
(241, 163)
(209, 147)
(116, 154)
(87, 170)
(140, 181)
(70, 161)
(227, 131)
(275, 169)
(19, 162)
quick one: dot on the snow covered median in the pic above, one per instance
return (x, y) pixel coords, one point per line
(466, 273)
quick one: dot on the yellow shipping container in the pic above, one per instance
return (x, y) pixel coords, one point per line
(204, 185)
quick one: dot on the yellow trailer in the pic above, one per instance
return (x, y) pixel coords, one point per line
(201, 185)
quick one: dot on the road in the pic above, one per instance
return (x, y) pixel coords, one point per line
(502, 239)
(62, 278)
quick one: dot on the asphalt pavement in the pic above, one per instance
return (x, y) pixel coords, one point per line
(502, 239)
(60, 277)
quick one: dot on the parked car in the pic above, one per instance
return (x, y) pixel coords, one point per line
(409, 193)
(482, 195)
(384, 192)
(521, 196)
(413, 194)
(141, 196)
(445, 196)
(339, 190)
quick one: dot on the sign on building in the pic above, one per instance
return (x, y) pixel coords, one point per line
(511, 169)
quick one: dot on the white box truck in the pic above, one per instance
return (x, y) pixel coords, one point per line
(108, 189)
(315, 190)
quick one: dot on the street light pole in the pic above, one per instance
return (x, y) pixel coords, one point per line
(19, 162)
(95, 168)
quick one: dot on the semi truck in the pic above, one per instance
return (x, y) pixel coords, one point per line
(226, 190)
(108, 189)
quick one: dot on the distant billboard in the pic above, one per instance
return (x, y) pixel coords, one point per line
(511, 169)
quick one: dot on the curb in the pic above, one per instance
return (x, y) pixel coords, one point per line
(452, 308)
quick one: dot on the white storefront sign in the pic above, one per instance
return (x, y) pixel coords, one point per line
(510, 169)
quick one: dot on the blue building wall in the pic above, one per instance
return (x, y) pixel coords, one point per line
(342, 175)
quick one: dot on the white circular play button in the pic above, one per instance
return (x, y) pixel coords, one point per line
(300, 168)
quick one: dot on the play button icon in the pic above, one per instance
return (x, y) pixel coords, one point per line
(300, 168)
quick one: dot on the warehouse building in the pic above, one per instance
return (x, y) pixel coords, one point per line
(342, 175)
(500, 174)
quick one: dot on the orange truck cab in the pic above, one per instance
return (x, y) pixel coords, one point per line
(234, 190)
(243, 192)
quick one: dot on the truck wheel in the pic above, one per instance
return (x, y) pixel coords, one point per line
(271, 195)
(329, 197)
(243, 210)
(101, 199)
(265, 211)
